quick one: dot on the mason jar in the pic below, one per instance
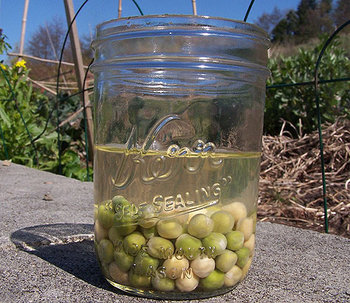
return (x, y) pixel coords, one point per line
(178, 118)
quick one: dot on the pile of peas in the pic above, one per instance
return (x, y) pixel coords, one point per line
(193, 251)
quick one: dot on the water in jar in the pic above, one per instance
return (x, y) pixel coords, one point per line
(175, 221)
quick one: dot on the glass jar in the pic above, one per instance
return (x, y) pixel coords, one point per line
(178, 117)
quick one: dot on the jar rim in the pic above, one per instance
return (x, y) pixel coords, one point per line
(147, 22)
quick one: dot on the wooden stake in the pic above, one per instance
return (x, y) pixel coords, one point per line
(79, 70)
(120, 9)
(24, 22)
(52, 92)
(194, 7)
(43, 60)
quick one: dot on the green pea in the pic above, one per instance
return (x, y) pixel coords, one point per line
(148, 233)
(243, 256)
(223, 221)
(124, 218)
(114, 235)
(139, 281)
(214, 244)
(189, 246)
(160, 248)
(145, 264)
(132, 243)
(215, 280)
(235, 240)
(125, 226)
(118, 202)
(163, 283)
(200, 226)
(100, 232)
(105, 215)
(212, 209)
(105, 251)
(226, 260)
(123, 260)
(169, 228)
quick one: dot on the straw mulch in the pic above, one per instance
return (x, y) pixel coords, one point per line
(291, 180)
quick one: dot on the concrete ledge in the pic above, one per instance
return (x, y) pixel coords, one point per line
(47, 254)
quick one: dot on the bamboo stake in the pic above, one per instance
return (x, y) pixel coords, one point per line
(78, 59)
(42, 86)
(72, 83)
(194, 7)
(120, 9)
(24, 22)
(43, 60)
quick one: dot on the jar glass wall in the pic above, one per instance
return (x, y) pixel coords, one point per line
(178, 123)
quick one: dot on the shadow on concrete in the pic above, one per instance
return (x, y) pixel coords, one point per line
(67, 246)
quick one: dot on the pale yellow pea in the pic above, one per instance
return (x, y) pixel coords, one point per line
(148, 217)
(175, 266)
(183, 219)
(246, 268)
(202, 266)
(233, 276)
(187, 282)
(250, 244)
(117, 275)
(236, 209)
(246, 226)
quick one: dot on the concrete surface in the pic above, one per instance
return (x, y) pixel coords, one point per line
(47, 255)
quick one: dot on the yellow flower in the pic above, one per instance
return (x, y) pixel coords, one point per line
(21, 63)
(3, 66)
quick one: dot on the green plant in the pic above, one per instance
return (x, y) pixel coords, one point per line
(297, 104)
(24, 112)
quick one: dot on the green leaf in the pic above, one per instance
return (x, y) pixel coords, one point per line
(4, 117)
